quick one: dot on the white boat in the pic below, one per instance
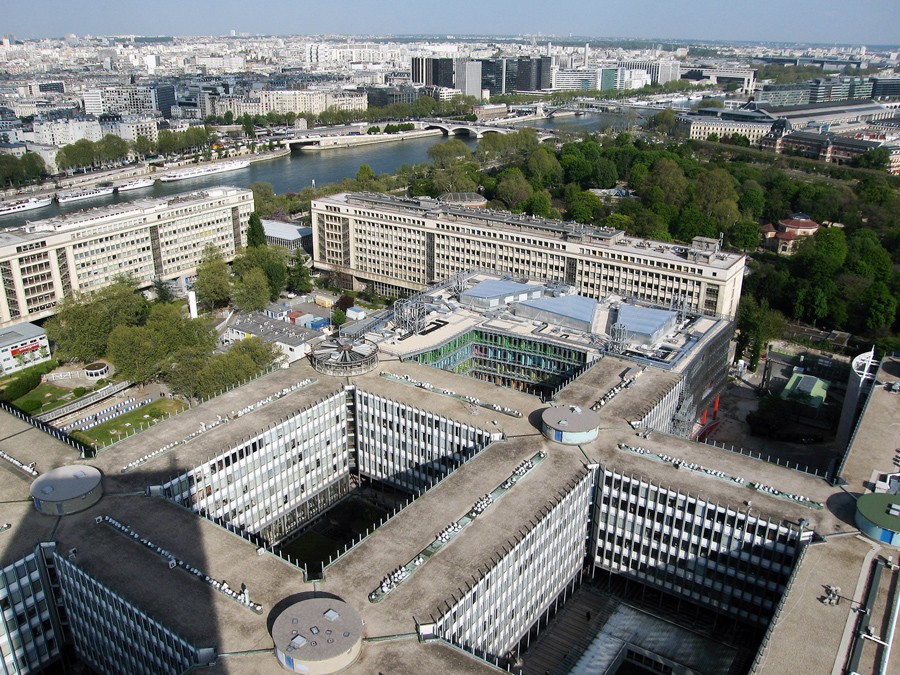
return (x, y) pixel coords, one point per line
(24, 205)
(87, 193)
(136, 184)
(200, 171)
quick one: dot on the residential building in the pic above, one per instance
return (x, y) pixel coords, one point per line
(66, 131)
(46, 260)
(403, 245)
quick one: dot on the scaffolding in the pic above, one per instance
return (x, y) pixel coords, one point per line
(410, 315)
(618, 338)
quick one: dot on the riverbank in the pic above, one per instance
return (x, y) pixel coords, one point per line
(119, 174)
(332, 142)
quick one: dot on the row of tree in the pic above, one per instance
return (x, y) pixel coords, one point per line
(112, 150)
(83, 154)
(18, 171)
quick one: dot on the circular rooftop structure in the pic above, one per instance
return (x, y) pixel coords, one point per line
(344, 356)
(470, 199)
(317, 636)
(96, 370)
(878, 517)
(570, 424)
(66, 490)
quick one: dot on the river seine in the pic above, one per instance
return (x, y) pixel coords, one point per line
(299, 169)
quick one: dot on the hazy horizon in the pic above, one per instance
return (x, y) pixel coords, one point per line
(824, 22)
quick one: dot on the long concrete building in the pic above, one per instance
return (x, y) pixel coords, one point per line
(43, 261)
(179, 564)
(402, 245)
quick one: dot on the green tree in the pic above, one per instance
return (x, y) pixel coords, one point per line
(82, 324)
(867, 257)
(877, 158)
(213, 283)
(161, 291)
(111, 149)
(135, 353)
(182, 371)
(143, 146)
(32, 166)
(664, 121)
(513, 189)
(365, 175)
(338, 317)
(228, 117)
(251, 293)
(669, 178)
(538, 204)
(543, 168)
(584, 207)
(256, 235)
(448, 153)
(299, 278)
(744, 235)
(882, 305)
(262, 354)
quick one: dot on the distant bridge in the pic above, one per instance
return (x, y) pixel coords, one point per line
(475, 130)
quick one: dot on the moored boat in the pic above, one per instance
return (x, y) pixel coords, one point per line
(136, 184)
(87, 193)
(24, 205)
(200, 171)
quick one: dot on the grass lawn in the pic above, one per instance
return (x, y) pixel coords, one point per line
(128, 423)
(47, 395)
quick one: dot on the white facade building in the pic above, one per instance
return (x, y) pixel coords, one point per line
(66, 132)
(46, 260)
(404, 245)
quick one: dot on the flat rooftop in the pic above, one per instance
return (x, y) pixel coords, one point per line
(101, 215)
(206, 617)
(613, 239)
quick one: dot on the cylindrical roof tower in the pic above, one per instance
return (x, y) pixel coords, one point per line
(66, 490)
(317, 636)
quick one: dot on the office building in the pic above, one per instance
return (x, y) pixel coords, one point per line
(660, 72)
(46, 260)
(885, 87)
(467, 77)
(824, 89)
(534, 73)
(741, 551)
(401, 246)
(493, 75)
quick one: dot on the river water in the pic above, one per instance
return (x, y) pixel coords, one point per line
(297, 170)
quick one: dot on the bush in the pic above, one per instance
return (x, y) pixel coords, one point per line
(79, 391)
(20, 386)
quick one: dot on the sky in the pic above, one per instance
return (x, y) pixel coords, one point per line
(854, 22)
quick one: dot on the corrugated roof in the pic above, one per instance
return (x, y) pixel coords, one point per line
(570, 306)
(643, 320)
(275, 228)
(496, 288)
(19, 332)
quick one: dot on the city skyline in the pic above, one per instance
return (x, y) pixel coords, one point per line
(874, 22)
